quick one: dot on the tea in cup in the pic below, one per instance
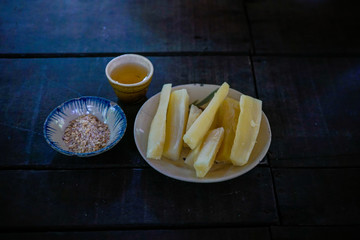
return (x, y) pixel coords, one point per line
(130, 76)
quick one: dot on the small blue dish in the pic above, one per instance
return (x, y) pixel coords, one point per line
(106, 111)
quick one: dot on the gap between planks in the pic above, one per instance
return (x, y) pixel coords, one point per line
(175, 54)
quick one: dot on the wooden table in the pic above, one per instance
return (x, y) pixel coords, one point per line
(301, 58)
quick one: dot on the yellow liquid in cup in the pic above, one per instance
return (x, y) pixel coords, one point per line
(129, 73)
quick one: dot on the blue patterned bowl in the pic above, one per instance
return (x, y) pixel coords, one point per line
(106, 111)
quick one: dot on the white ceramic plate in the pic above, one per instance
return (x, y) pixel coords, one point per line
(178, 169)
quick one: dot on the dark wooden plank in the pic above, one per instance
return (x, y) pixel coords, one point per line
(213, 233)
(312, 105)
(318, 196)
(126, 26)
(31, 88)
(309, 233)
(131, 198)
(304, 27)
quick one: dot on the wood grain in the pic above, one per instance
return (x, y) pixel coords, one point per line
(304, 27)
(312, 105)
(128, 26)
(318, 232)
(318, 196)
(131, 198)
(213, 233)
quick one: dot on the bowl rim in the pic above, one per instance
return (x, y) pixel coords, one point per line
(87, 154)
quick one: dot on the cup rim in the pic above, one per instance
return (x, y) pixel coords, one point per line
(142, 82)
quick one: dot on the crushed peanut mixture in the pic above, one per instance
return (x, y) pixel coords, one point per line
(86, 134)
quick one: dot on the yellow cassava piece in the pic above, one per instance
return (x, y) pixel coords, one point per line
(202, 124)
(157, 131)
(227, 117)
(193, 115)
(176, 119)
(208, 151)
(247, 130)
(192, 155)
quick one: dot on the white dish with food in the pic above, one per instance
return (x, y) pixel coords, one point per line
(199, 94)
